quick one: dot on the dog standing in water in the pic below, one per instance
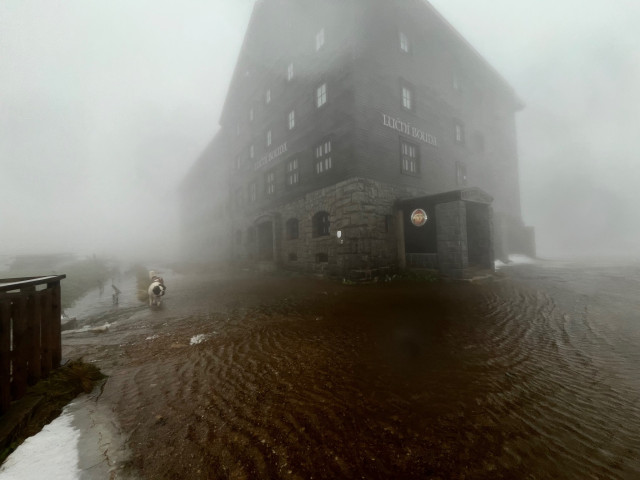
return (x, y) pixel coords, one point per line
(156, 289)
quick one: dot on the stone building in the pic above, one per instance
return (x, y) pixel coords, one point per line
(344, 120)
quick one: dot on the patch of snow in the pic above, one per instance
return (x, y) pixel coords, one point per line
(51, 454)
(152, 337)
(196, 339)
(514, 259)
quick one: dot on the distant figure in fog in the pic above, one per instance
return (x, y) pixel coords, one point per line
(115, 295)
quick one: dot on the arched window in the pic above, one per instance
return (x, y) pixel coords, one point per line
(292, 229)
(321, 224)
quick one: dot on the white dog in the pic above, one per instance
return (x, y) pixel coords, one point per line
(156, 289)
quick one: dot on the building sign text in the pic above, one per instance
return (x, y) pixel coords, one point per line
(408, 129)
(272, 155)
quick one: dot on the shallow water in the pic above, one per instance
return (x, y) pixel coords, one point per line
(535, 375)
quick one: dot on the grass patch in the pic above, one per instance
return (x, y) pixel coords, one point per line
(63, 385)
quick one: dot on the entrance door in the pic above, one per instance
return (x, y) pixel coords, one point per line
(265, 241)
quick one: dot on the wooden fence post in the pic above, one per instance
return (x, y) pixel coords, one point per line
(5, 352)
(56, 327)
(20, 351)
(46, 329)
(34, 314)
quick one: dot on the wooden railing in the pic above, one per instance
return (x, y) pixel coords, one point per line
(30, 343)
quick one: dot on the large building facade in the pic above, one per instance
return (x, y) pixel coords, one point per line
(343, 118)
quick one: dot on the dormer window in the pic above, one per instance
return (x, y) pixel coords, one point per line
(319, 39)
(404, 42)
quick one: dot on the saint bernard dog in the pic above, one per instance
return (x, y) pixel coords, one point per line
(156, 289)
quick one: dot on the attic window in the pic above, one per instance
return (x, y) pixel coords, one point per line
(319, 39)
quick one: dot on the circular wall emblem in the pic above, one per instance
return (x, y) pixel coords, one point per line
(418, 217)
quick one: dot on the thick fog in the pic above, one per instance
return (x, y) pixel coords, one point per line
(104, 106)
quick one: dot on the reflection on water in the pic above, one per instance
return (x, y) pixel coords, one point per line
(568, 339)
(533, 376)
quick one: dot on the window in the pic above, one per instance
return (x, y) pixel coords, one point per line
(322, 257)
(407, 97)
(253, 192)
(292, 119)
(252, 152)
(251, 116)
(321, 95)
(268, 138)
(239, 197)
(293, 257)
(237, 163)
(409, 157)
(404, 42)
(267, 96)
(321, 224)
(461, 174)
(292, 172)
(458, 132)
(292, 229)
(323, 157)
(251, 234)
(456, 82)
(319, 39)
(478, 142)
(290, 72)
(270, 180)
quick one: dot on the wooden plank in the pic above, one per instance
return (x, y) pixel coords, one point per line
(5, 353)
(46, 358)
(33, 333)
(56, 317)
(20, 346)
(18, 284)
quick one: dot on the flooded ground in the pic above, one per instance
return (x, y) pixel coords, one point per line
(533, 375)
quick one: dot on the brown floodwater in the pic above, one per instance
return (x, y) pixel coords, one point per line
(533, 375)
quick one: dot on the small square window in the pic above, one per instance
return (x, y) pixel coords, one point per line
(292, 119)
(321, 95)
(319, 39)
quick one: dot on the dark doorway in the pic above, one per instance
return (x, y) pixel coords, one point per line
(265, 241)
(420, 239)
(479, 235)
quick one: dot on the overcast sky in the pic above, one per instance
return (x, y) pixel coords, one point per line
(104, 106)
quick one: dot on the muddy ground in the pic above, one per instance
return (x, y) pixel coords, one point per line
(246, 377)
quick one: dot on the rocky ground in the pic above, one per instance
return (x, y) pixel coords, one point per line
(271, 376)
